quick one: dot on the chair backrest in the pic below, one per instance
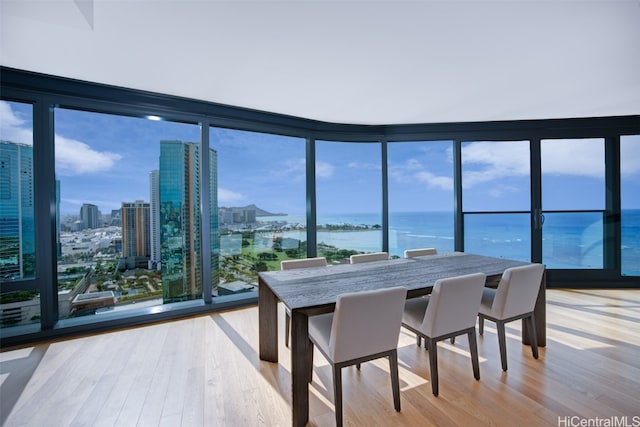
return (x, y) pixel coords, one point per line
(410, 253)
(453, 304)
(517, 291)
(366, 323)
(375, 256)
(290, 264)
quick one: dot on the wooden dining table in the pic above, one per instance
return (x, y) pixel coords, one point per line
(311, 291)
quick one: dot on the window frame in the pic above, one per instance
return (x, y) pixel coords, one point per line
(46, 92)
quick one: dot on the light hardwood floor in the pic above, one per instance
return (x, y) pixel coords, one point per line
(205, 371)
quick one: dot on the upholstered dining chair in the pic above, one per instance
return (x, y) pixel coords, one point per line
(513, 299)
(291, 264)
(449, 311)
(375, 256)
(364, 326)
(411, 253)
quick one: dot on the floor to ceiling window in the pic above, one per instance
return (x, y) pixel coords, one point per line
(19, 308)
(108, 214)
(496, 198)
(573, 203)
(349, 199)
(128, 203)
(630, 203)
(261, 204)
(420, 176)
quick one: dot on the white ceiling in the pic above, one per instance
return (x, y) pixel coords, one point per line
(358, 61)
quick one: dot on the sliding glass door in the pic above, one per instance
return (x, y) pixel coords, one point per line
(630, 204)
(573, 203)
(496, 198)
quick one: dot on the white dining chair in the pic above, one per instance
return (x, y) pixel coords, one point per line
(449, 311)
(364, 326)
(374, 256)
(291, 264)
(412, 253)
(514, 298)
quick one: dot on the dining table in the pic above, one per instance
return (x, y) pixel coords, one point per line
(312, 291)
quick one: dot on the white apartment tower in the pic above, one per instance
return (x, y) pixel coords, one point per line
(154, 193)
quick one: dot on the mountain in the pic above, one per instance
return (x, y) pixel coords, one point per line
(259, 212)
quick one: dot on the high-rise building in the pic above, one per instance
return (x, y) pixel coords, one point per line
(136, 241)
(17, 233)
(214, 220)
(154, 198)
(116, 217)
(180, 230)
(90, 216)
(58, 243)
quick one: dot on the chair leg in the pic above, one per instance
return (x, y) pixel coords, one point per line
(453, 340)
(532, 335)
(358, 366)
(395, 381)
(473, 347)
(418, 340)
(480, 325)
(502, 342)
(337, 393)
(287, 328)
(310, 361)
(433, 364)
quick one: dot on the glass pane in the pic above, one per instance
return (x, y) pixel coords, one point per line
(128, 203)
(19, 312)
(630, 200)
(495, 176)
(262, 204)
(17, 233)
(573, 174)
(349, 199)
(498, 235)
(420, 196)
(573, 240)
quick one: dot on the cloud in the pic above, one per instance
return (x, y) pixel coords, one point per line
(412, 171)
(493, 160)
(292, 169)
(324, 169)
(435, 181)
(77, 158)
(501, 190)
(72, 157)
(229, 197)
(581, 157)
(12, 127)
(413, 164)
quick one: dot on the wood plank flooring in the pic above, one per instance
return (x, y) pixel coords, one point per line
(205, 371)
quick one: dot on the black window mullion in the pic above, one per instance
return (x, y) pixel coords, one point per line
(312, 248)
(612, 217)
(385, 196)
(537, 218)
(45, 210)
(458, 215)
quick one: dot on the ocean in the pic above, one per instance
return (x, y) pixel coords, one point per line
(570, 240)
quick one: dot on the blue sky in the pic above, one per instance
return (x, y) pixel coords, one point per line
(105, 160)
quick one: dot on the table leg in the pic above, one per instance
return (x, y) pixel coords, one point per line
(267, 323)
(299, 368)
(540, 313)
